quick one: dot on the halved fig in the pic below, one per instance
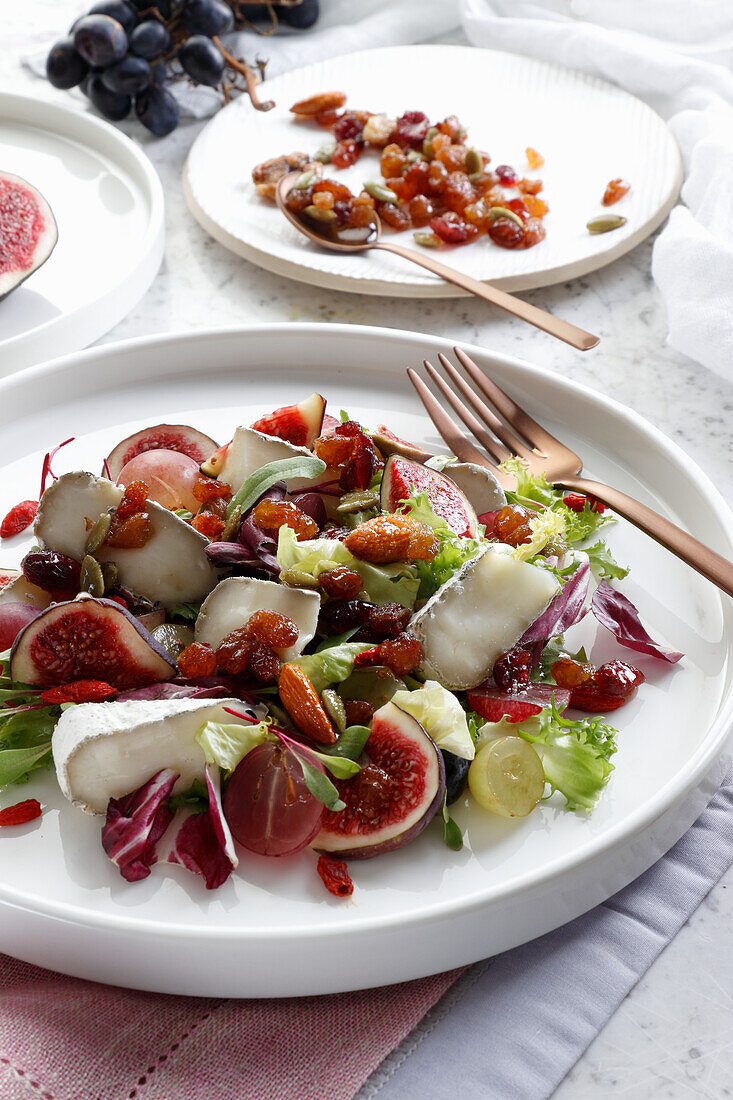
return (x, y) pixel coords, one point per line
(329, 425)
(88, 639)
(13, 618)
(20, 590)
(250, 449)
(171, 437)
(28, 231)
(394, 796)
(107, 750)
(403, 478)
(297, 424)
(171, 567)
(391, 444)
(7, 576)
(235, 599)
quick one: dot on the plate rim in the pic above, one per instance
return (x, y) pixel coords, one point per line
(301, 272)
(89, 320)
(641, 819)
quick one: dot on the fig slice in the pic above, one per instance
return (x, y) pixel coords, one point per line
(170, 568)
(297, 424)
(394, 796)
(403, 478)
(170, 437)
(28, 231)
(391, 444)
(107, 750)
(235, 599)
(88, 639)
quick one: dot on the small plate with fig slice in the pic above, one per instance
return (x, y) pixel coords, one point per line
(81, 229)
(152, 864)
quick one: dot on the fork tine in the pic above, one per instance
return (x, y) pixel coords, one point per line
(489, 417)
(496, 449)
(458, 443)
(537, 437)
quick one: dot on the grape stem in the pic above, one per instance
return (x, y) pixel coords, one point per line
(251, 80)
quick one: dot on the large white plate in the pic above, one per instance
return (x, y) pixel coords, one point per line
(588, 131)
(272, 929)
(108, 203)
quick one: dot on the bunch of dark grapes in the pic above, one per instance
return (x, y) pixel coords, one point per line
(123, 53)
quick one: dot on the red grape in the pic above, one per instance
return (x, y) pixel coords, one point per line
(267, 804)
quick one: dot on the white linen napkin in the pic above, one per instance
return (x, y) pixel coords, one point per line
(514, 1026)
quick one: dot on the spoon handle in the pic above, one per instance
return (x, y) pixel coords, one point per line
(563, 330)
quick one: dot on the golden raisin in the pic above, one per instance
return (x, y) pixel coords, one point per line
(275, 630)
(341, 583)
(197, 659)
(534, 159)
(389, 538)
(271, 515)
(133, 500)
(615, 190)
(537, 207)
(263, 664)
(511, 525)
(130, 533)
(207, 489)
(569, 674)
(206, 523)
(234, 652)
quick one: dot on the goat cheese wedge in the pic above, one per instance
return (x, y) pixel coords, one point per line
(478, 484)
(479, 614)
(249, 450)
(171, 567)
(233, 601)
(107, 750)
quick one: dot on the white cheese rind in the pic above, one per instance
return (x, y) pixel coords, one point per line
(479, 614)
(249, 450)
(108, 750)
(172, 566)
(478, 484)
(233, 601)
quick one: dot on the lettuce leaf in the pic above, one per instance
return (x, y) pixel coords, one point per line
(225, 744)
(441, 715)
(332, 665)
(536, 492)
(395, 583)
(454, 550)
(604, 566)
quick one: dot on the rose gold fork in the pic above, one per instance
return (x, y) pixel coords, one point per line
(517, 434)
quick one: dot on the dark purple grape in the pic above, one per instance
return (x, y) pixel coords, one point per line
(128, 77)
(456, 776)
(149, 39)
(123, 12)
(302, 15)
(112, 105)
(201, 60)
(158, 110)
(159, 71)
(208, 17)
(65, 68)
(100, 40)
(165, 7)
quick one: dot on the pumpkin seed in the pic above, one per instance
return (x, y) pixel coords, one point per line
(98, 533)
(413, 156)
(427, 145)
(473, 162)
(91, 579)
(334, 708)
(297, 578)
(379, 192)
(427, 239)
(325, 153)
(320, 214)
(361, 500)
(504, 212)
(474, 177)
(305, 180)
(605, 223)
(109, 574)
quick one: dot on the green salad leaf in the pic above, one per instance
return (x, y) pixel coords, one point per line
(441, 715)
(188, 611)
(25, 735)
(263, 479)
(351, 742)
(225, 744)
(604, 566)
(196, 798)
(452, 835)
(454, 550)
(332, 665)
(536, 492)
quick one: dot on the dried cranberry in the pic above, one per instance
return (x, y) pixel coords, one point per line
(358, 473)
(341, 583)
(347, 126)
(263, 663)
(358, 712)
(452, 229)
(511, 670)
(341, 615)
(55, 573)
(507, 176)
(597, 690)
(388, 620)
(412, 128)
(506, 233)
(519, 207)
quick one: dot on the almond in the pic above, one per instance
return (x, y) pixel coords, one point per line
(301, 701)
(326, 101)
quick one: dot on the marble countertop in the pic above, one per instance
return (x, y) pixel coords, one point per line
(673, 1036)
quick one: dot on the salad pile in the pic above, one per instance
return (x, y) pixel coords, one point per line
(315, 635)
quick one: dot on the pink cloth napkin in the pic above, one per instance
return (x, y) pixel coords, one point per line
(67, 1039)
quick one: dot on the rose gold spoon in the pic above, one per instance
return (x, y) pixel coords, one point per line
(370, 237)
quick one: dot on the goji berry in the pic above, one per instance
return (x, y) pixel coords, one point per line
(18, 518)
(21, 812)
(576, 502)
(81, 691)
(335, 876)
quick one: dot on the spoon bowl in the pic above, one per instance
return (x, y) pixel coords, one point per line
(372, 238)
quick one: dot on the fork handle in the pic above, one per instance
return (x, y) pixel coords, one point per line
(563, 330)
(714, 566)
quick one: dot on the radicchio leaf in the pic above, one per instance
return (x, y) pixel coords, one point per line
(617, 613)
(566, 609)
(136, 823)
(216, 811)
(192, 841)
(179, 689)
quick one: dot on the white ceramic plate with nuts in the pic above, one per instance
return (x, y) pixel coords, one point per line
(588, 131)
(271, 929)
